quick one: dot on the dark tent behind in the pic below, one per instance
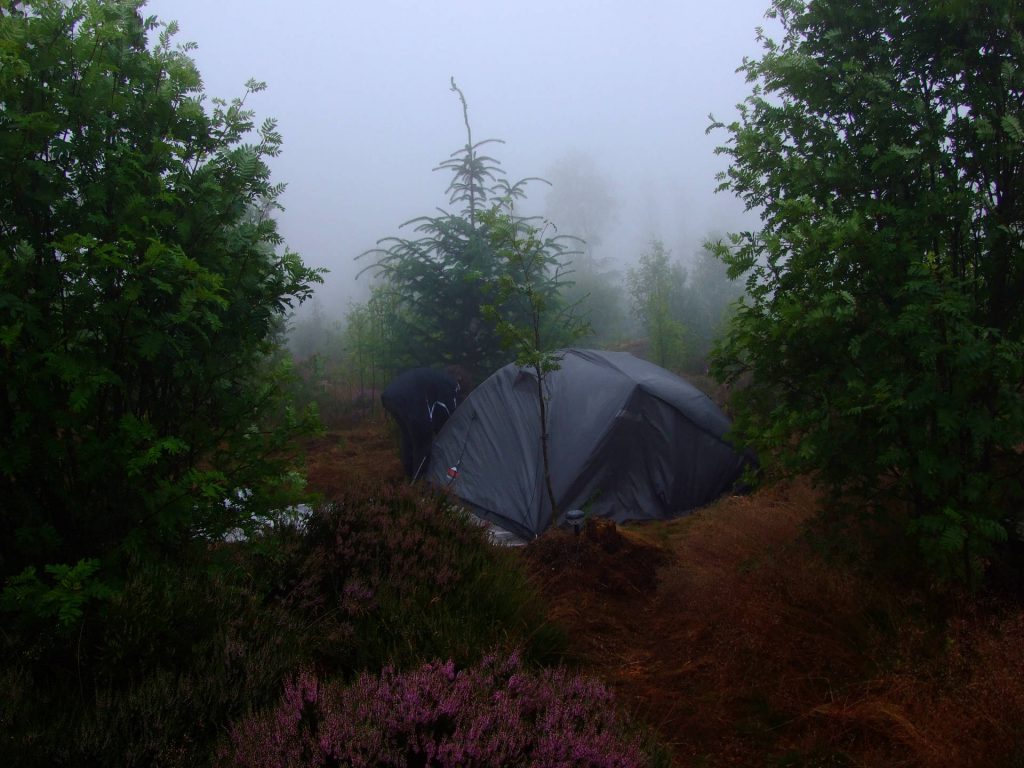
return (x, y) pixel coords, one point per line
(628, 440)
(420, 400)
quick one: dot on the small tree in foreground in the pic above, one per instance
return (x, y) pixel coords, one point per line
(526, 306)
(881, 337)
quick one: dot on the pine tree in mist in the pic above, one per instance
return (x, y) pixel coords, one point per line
(439, 278)
(440, 282)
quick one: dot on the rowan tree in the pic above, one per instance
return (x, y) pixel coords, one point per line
(143, 284)
(881, 338)
(526, 305)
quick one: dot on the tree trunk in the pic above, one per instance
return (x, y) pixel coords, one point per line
(544, 445)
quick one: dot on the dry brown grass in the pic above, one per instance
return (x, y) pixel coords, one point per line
(753, 650)
(741, 645)
(350, 455)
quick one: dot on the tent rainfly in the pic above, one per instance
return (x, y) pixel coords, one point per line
(628, 440)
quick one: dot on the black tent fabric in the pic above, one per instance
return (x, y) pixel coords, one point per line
(628, 440)
(420, 400)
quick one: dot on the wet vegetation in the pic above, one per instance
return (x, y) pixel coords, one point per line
(208, 553)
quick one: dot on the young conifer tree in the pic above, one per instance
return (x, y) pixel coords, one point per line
(437, 278)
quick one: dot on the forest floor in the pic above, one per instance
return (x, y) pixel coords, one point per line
(731, 636)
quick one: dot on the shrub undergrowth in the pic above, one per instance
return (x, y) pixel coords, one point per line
(383, 577)
(396, 576)
(494, 713)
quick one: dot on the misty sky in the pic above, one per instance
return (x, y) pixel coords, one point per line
(361, 94)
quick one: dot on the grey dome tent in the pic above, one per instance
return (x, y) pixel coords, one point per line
(628, 440)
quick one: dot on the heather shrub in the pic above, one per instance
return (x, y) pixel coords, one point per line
(152, 675)
(155, 672)
(493, 713)
(395, 575)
